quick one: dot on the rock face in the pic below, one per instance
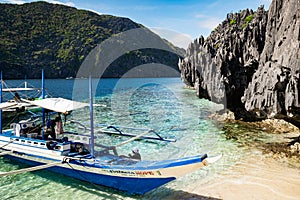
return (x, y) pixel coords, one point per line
(274, 88)
(250, 62)
(221, 67)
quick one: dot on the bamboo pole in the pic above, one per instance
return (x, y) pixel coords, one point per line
(30, 169)
(132, 139)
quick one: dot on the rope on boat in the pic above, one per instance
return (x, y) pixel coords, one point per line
(77, 172)
(83, 177)
(113, 127)
(30, 169)
(14, 119)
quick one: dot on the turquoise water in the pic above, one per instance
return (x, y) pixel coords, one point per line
(162, 104)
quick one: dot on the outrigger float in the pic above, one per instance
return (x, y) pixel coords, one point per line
(73, 154)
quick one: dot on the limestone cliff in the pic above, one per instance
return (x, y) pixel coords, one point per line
(250, 62)
(274, 88)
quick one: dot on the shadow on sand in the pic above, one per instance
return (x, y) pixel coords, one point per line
(171, 194)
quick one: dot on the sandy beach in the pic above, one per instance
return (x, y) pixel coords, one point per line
(256, 177)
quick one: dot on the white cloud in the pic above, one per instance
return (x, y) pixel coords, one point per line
(178, 39)
(14, 1)
(215, 4)
(266, 3)
(199, 15)
(93, 11)
(142, 8)
(69, 3)
(209, 23)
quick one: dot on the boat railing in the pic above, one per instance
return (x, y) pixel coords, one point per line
(31, 142)
(61, 148)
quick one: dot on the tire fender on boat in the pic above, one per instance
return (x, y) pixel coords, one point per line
(51, 144)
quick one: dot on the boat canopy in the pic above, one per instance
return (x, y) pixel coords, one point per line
(57, 104)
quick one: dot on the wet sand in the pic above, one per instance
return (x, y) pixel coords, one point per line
(255, 177)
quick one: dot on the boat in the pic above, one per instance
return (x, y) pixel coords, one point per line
(73, 154)
(15, 105)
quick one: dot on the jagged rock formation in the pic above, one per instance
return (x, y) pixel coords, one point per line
(275, 86)
(221, 67)
(251, 61)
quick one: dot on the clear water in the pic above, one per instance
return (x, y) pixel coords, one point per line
(162, 104)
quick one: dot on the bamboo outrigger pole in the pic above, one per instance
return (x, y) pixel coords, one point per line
(132, 139)
(30, 169)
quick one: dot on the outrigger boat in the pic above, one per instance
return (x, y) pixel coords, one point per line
(16, 105)
(74, 155)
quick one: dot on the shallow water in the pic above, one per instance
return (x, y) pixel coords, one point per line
(164, 105)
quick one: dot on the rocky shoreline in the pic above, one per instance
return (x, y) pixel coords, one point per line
(276, 137)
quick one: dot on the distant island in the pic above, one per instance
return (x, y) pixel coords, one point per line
(58, 38)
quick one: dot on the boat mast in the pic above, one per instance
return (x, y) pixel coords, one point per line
(43, 97)
(91, 115)
(1, 102)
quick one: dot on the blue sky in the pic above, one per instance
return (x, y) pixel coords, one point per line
(178, 21)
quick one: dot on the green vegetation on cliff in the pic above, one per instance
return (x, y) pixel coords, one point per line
(58, 38)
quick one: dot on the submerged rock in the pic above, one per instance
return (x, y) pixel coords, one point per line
(274, 136)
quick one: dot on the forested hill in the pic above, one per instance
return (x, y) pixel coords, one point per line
(58, 38)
